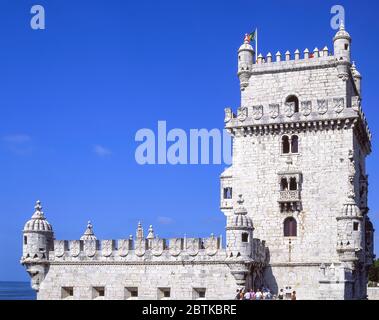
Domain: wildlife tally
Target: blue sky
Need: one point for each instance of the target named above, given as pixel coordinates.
(73, 96)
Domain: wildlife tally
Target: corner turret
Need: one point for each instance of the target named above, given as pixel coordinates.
(245, 62)
(38, 241)
(239, 233)
(342, 51)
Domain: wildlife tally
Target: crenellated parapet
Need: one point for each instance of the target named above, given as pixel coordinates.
(309, 115)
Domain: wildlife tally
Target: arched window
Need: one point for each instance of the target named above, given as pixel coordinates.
(293, 184)
(294, 144)
(290, 227)
(283, 184)
(294, 100)
(285, 145)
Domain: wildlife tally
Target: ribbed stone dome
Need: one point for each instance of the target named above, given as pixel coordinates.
(342, 33)
(240, 218)
(241, 221)
(246, 46)
(38, 221)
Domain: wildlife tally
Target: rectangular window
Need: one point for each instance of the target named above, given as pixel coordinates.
(131, 292)
(228, 193)
(199, 293)
(164, 293)
(245, 237)
(98, 292)
(25, 240)
(356, 226)
(67, 292)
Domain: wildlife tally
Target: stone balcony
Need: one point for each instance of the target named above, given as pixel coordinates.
(289, 196)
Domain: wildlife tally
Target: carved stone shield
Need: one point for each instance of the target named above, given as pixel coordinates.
(242, 114)
(193, 246)
(90, 248)
(59, 247)
(228, 115)
(211, 246)
(339, 104)
(75, 248)
(107, 247)
(123, 247)
(322, 106)
(257, 112)
(140, 247)
(306, 108)
(157, 247)
(176, 246)
(289, 109)
(274, 110)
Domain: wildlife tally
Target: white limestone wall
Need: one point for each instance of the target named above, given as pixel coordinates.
(322, 160)
(373, 293)
(273, 83)
(181, 278)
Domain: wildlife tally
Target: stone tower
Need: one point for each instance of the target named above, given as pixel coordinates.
(38, 239)
(300, 140)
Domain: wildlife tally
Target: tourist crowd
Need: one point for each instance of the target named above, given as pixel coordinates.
(263, 294)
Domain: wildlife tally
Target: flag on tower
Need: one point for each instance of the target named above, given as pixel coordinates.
(251, 36)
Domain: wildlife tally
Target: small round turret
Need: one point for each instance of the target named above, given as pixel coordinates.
(245, 62)
(342, 42)
(38, 236)
(239, 233)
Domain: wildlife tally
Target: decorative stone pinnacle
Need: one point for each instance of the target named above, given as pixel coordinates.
(38, 214)
(151, 233)
(342, 25)
(240, 201)
(88, 234)
(139, 232)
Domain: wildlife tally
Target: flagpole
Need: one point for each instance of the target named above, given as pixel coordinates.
(256, 44)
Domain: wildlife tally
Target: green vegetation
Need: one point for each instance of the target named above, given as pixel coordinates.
(373, 274)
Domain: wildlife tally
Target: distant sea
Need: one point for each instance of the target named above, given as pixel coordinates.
(15, 290)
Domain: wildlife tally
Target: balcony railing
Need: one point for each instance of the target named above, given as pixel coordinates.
(289, 196)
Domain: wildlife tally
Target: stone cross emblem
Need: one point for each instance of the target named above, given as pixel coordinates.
(257, 112)
(242, 114)
(339, 104)
(306, 107)
(274, 110)
(123, 247)
(75, 248)
(193, 246)
(157, 247)
(107, 248)
(175, 246)
(211, 245)
(322, 106)
(90, 247)
(59, 248)
(140, 247)
(289, 109)
(228, 115)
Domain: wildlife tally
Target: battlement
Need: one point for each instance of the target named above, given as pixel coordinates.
(136, 248)
(287, 61)
(174, 249)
